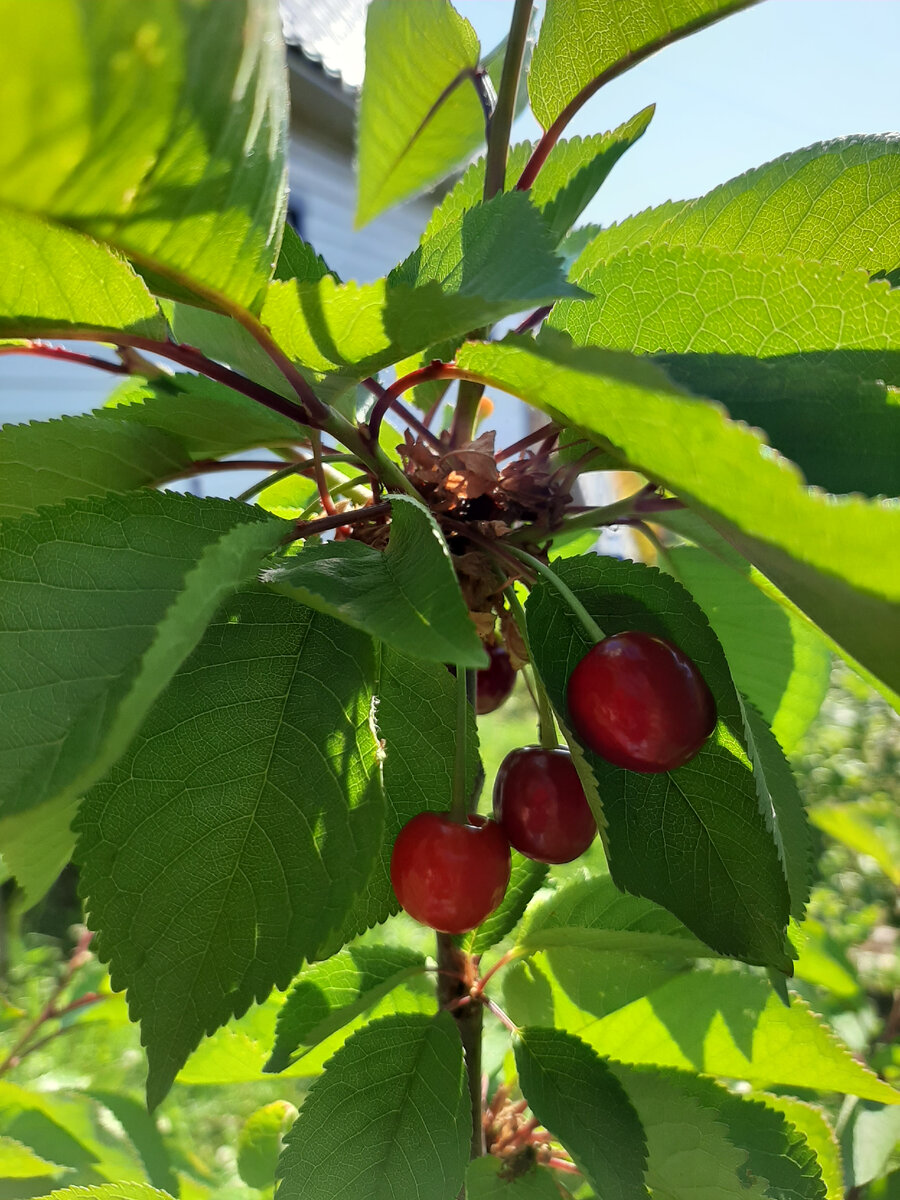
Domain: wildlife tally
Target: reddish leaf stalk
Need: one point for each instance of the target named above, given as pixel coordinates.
(552, 134)
(434, 370)
(45, 350)
(407, 414)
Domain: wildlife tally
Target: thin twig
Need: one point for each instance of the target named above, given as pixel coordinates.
(529, 439)
(306, 529)
(44, 350)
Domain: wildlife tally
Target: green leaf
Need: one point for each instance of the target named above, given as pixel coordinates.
(782, 807)
(227, 341)
(390, 1116)
(778, 1154)
(163, 134)
(47, 462)
(260, 1142)
(525, 879)
(570, 178)
(832, 201)
(495, 260)
(407, 595)
(485, 1181)
(599, 982)
(18, 1162)
(55, 281)
(870, 1141)
(64, 1128)
(735, 1026)
(838, 428)
(576, 168)
(577, 1097)
(669, 837)
(776, 659)
(690, 525)
(109, 1191)
(827, 556)
(101, 601)
(812, 1123)
(415, 717)
(298, 260)
(850, 824)
(595, 906)
(689, 1152)
(208, 419)
(579, 42)
(227, 845)
(703, 300)
(418, 114)
(143, 1134)
(328, 995)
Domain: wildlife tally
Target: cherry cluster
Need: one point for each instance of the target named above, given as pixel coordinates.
(636, 700)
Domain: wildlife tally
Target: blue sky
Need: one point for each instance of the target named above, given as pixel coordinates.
(779, 76)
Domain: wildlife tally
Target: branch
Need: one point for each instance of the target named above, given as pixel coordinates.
(505, 109)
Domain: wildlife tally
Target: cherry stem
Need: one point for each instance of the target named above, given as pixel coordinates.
(546, 725)
(459, 800)
(588, 623)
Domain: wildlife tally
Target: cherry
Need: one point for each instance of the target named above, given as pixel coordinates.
(450, 875)
(541, 805)
(495, 682)
(640, 702)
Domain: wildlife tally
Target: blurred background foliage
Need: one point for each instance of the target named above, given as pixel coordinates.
(74, 1098)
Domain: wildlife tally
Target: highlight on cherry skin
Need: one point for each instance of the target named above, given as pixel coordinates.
(541, 806)
(638, 701)
(447, 874)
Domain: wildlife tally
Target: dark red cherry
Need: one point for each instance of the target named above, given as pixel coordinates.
(450, 875)
(495, 682)
(541, 805)
(639, 702)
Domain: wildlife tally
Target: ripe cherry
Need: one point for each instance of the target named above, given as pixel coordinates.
(541, 805)
(450, 875)
(640, 702)
(495, 682)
